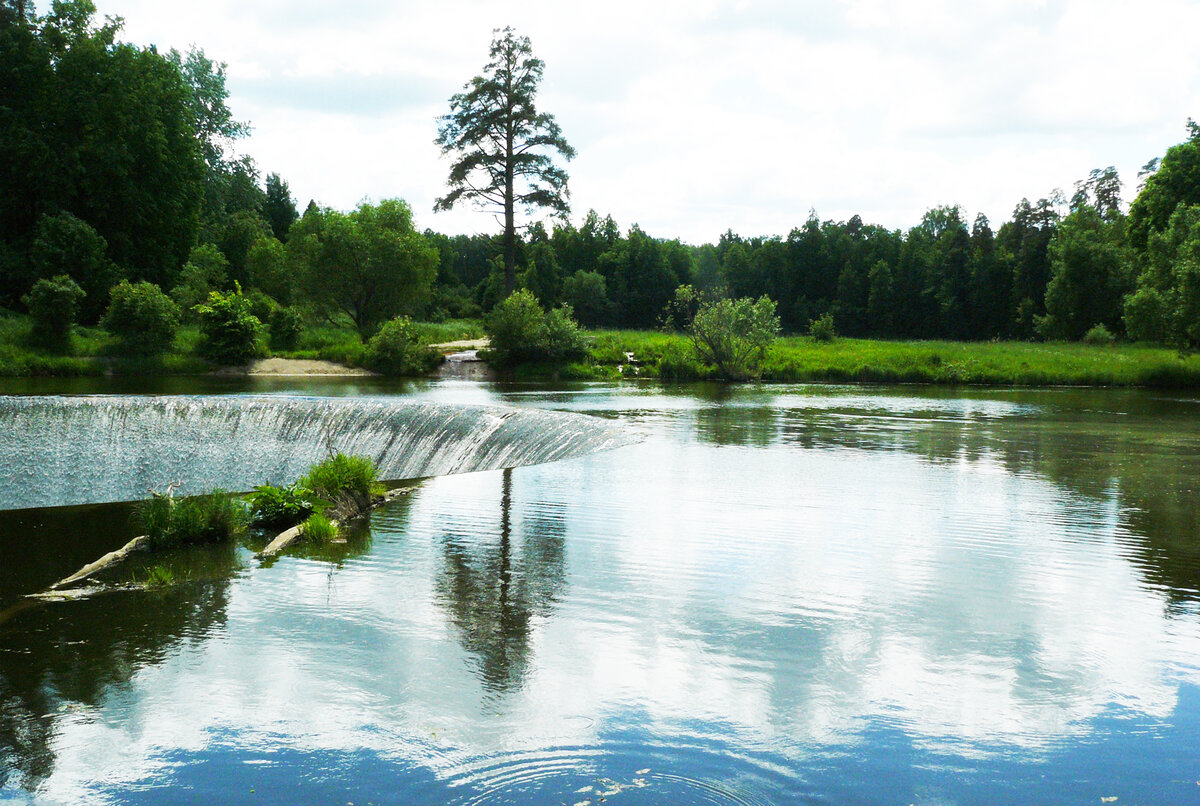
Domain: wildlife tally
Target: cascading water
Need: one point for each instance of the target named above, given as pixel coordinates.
(76, 450)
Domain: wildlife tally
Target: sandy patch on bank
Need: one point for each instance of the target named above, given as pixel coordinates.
(455, 346)
(292, 366)
(306, 366)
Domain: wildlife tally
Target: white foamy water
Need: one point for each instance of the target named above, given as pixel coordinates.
(76, 450)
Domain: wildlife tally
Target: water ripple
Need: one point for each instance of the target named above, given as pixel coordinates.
(685, 770)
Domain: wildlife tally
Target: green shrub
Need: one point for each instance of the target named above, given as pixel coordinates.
(172, 522)
(53, 305)
(516, 327)
(563, 338)
(733, 334)
(229, 332)
(142, 317)
(1099, 334)
(520, 330)
(822, 328)
(397, 350)
(318, 529)
(342, 478)
(281, 507)
(286, 325)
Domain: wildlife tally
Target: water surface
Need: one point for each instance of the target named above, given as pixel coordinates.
(783, 594)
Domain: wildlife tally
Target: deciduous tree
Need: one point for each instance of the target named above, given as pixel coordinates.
(369, 265)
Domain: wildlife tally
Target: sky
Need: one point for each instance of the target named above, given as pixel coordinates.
(692, 118)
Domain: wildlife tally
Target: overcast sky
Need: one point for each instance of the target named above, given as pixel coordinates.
(694, 117)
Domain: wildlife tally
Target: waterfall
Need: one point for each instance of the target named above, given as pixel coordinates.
(75, 450)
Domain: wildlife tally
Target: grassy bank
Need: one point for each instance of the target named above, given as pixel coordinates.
(93, 351)
(342, 345)
(669, 356)
(945, 362)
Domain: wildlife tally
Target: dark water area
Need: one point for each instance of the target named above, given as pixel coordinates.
(781, 594)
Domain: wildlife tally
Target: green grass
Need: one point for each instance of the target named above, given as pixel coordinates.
(171, 522)
(800, 358)
(1002, 363)
(340, 345)
(91, 351)
(342, 475)
(157, 578)
(318, 529)
(450, 330)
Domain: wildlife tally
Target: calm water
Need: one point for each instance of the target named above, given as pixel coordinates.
(785, 594)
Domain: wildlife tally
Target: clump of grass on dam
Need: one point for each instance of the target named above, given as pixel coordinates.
(341, 475)
(210, 518)
(342, 484)
(318, 529)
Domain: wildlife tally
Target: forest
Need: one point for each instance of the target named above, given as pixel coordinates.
(121, 185)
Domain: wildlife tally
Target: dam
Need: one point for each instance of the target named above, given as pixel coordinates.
(99, 449)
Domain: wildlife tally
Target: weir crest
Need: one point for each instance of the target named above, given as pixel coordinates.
(77, 450)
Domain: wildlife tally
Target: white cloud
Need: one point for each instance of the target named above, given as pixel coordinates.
(691, 118)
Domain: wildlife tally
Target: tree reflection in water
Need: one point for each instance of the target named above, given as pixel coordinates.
(494, 587)
(66, 657)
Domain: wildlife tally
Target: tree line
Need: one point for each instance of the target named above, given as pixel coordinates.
(1057, 269)
(119, 166)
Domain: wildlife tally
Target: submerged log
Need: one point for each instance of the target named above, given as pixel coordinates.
(139, 543)
(75, 594)
(281, 541)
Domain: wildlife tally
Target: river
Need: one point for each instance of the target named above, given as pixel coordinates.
(779, 594)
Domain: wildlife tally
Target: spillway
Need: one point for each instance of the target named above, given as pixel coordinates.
(77, 450)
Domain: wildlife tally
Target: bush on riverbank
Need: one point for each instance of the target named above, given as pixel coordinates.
(521, 331)
(142, 317)
(397, 350)
(229, 332)
(286, 324)
(53, 305)
(733, 335)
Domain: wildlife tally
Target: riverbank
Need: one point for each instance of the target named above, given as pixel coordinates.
(651, 354)
(616, 354)
(92, 352)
